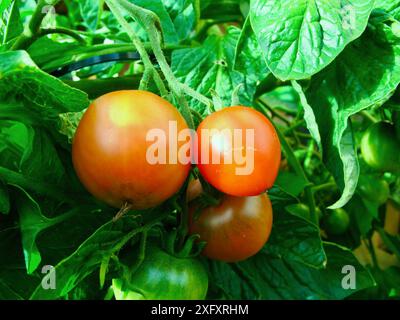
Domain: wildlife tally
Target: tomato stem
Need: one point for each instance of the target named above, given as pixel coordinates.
(32, 30)
(218, 104)
(142, 251)
(235, 100)
(150, 22)
(126, 207)
(274, 113)
(144, 83)
(67, 32)
(369, 116)
(325, 186)
(371, 250)
(136, 231)
(116, 7)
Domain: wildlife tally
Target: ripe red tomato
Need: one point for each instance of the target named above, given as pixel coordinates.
(234, 230)
(110, 147)
(261, 156)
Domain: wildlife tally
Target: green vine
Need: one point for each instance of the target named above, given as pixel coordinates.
(32, 30)
(150, 22)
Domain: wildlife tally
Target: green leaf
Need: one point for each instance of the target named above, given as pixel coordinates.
(88, 257)
(4, 199)
(283, 98)
(7, 293)
(248, 57)
(15, 284)
(69, 123)
(300, 38)
(309, 116)
(364, 213)
(4, 5)
(291, 183)
(390, 6)
(10, 24)
(224, 10)
(40, 159)
(268, 276)
(297, 240)
(91, 11)
(37, 186)
(183, 15)
(210, 67)
(32, 222)
(13, 142)
(41, 94)
(365, 75)
(392, 242)
(157, 6)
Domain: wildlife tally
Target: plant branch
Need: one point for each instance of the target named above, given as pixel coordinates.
(274, 113)
(323, 187)
(116, 10)
(33, 28)
(150, 22)
(68, 32)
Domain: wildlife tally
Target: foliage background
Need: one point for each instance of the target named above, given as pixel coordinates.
(296, 61)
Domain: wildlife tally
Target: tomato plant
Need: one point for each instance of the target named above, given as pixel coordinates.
(110, 149)
(235, 229)
(108, 184)
(256, 169)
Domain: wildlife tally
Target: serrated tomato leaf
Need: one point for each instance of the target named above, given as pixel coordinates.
(344, 89)
(88, 257)
(300, 38)
(268, 276)
(211, 67)
(37, 92)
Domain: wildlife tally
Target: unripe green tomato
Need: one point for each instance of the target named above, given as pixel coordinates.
(302, 210)
(337, 222)
(380, 148)
(162, 276)
(374, 189)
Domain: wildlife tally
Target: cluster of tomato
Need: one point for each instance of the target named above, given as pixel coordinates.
(110, 151)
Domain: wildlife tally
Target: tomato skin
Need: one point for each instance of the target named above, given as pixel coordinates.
(373, 189)
(109, 150)
(337, 222)
(162, 276)
(380, 148)
(234, 230)
(267, 152)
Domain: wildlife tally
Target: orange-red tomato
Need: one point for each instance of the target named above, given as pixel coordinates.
(109, 149)
(234, 230)
(261, 157)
